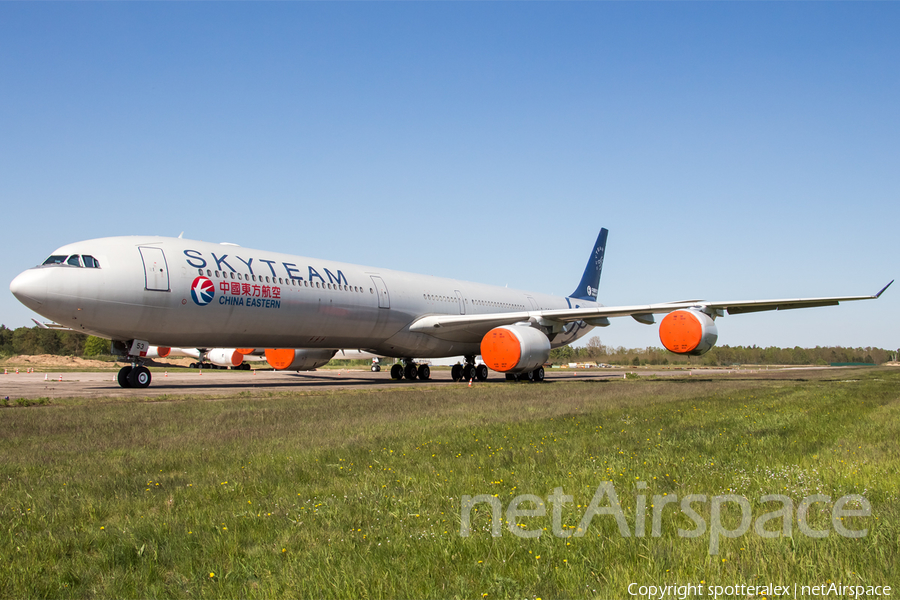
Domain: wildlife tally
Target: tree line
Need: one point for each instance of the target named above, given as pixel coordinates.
(36, 340)
(596, 351)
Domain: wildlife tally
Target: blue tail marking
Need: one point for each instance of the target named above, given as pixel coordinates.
(590, 281)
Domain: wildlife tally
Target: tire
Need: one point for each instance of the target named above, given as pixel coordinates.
(456, 372)
(538, 375)
(468, 372)
(375, 368)
(481, 372)
(397, 372)
(139, 377)
(424, 372)
(122, 377)
(410, 371)
(511, 377)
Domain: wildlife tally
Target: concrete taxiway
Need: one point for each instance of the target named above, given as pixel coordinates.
(47, 384)
(184, 382)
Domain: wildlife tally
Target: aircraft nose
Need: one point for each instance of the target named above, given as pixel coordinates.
(30, 288)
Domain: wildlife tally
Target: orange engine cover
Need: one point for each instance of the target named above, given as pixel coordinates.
(225, 357)
(514, 349)
(289, 359)
(688, 332)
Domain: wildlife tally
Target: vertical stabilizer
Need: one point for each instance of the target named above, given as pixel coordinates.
(590, 281)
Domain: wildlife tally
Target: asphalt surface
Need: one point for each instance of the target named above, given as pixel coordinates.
(49, 384)
(184, 382)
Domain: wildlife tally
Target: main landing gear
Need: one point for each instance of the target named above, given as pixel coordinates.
(537, 376)
(410, 370)
(469, 371)
(135, 375)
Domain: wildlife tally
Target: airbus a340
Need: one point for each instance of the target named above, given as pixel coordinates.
(173, 292)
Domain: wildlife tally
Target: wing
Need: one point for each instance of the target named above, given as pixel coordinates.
(449, 326)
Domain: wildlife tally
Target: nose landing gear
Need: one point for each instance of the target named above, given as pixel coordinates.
(134, 376)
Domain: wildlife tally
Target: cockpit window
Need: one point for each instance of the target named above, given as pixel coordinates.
(74, 261)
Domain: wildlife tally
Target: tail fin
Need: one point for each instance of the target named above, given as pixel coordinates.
(587, 287)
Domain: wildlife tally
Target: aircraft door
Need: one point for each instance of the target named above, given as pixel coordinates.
(384, 299)
(156, 272)
(462, 303)
(534, 305)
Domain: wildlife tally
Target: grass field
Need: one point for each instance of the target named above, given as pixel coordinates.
(358, 494)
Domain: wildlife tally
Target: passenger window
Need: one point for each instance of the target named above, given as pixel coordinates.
(281, 281)
(55, 260)
(232, 274)
(74, 261)
(201, 271)
(217, 273)
(208, 273)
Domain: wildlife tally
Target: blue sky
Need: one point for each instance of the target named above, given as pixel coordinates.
(734, 151)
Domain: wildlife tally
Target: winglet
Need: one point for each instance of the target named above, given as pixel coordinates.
(884, 288)
(590, 280)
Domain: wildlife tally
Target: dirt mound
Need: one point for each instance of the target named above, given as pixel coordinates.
(50, 361)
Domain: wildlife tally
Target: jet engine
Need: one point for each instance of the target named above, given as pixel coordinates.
(225, 357)
(290, 359)
(515, 349)
(688, 332)
(166, 352)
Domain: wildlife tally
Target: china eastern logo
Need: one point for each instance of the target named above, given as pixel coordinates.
(202, 291)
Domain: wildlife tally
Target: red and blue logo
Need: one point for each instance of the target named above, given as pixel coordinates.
(202, 291)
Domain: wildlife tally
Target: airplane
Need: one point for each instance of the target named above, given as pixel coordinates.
(174, 292)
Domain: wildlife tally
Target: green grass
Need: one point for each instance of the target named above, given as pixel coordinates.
(358, 494)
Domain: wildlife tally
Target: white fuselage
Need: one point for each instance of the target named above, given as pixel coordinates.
(184, 293)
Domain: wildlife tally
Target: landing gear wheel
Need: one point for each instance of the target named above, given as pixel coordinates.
(376, 368)
(511, 377)
(481, 372)
(424, 372)
(397, 371)
(410, 371)
(122, 377)
(139, 377)
(468, 372)
(538, 375)
(456, 372)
